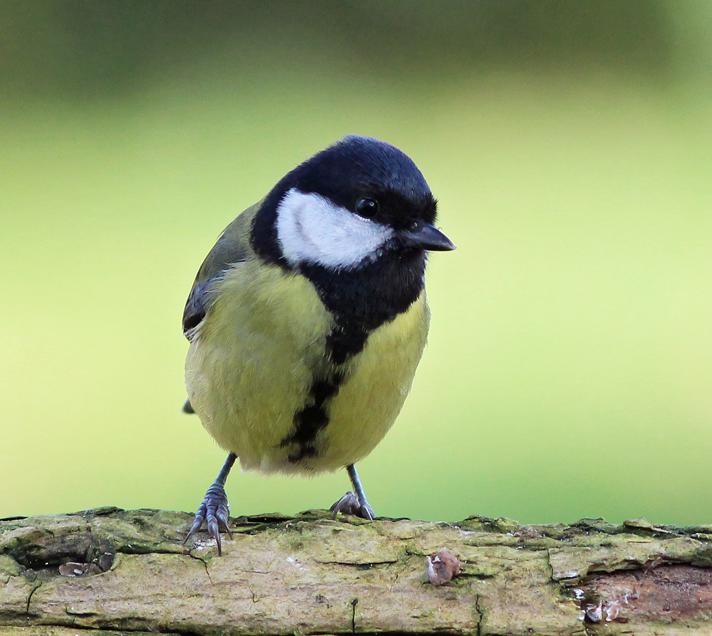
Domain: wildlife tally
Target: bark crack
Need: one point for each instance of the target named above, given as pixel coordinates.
(205, 565)
(480, 614)
(550, 565)
(360, 564)
(30, 595)
(354, 603)
(252, 593)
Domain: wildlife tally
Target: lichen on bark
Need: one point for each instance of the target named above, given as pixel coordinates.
(115, 572)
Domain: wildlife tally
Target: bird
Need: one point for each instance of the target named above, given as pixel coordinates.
(308, 318)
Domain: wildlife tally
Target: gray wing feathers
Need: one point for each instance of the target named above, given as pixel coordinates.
(232, 247)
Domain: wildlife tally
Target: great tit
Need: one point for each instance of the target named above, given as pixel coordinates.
(308, 317)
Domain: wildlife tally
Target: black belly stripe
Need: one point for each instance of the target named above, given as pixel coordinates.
(312, 418)
(360, 301)
(345, 341)
(342, 343)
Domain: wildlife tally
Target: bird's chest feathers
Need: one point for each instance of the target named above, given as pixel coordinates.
(288, 383)
(377, 382)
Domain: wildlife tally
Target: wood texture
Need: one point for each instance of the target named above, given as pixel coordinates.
(119, 572)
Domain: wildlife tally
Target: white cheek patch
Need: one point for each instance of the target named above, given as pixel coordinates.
(311, 229)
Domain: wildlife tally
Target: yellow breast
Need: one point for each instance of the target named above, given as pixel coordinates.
(251, 366)
(377, 382)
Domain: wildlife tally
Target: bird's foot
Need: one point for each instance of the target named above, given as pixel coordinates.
(349, 504)
(215, 511)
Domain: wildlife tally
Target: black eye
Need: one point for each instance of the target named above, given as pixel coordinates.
(366, 207)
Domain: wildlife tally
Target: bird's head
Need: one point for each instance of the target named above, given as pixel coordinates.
(352, 204)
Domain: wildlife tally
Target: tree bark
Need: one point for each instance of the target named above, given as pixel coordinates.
(127, 572)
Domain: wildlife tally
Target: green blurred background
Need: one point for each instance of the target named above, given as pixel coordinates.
(569, 367)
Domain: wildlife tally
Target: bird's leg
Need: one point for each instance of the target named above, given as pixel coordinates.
(214, 509)
(354, 502)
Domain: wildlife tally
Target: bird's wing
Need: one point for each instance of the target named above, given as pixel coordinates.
(233, 246)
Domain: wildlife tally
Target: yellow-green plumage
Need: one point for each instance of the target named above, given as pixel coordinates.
(308, 318)
(253, 359)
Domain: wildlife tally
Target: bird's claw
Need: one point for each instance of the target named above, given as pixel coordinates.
(215, 511)
(349, 504)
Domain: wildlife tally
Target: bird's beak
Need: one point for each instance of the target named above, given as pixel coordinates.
(427, 237)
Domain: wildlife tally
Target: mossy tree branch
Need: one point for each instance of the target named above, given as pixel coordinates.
(127, 572)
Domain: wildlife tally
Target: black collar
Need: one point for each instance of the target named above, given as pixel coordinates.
(361, 299)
